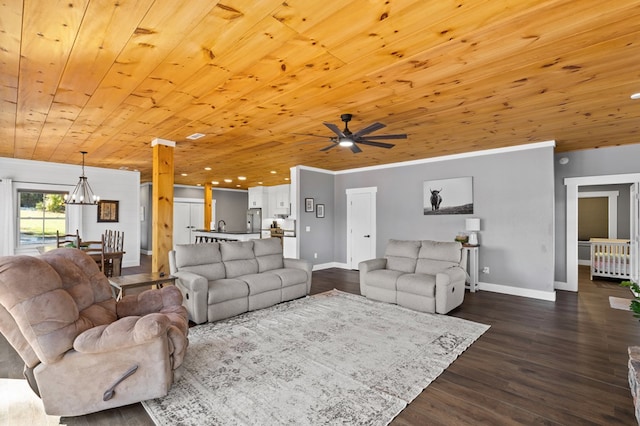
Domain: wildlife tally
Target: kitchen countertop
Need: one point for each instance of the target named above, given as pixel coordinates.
(227, 232)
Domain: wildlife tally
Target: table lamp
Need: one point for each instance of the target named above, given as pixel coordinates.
(473, 226)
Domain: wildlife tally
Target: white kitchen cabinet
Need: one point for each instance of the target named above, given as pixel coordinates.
(279, 199)
(290, 247)
(258, 198)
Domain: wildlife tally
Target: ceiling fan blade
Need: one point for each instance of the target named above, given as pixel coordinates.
(382, 137)
(335, 129)
(377, 144)
(369, 129)
(329, 147)
(310, 134)
(355, 148)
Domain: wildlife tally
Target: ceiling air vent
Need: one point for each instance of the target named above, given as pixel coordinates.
(195, 136)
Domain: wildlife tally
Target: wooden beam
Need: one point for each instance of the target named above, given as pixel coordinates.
(162, 200)
(208, 202)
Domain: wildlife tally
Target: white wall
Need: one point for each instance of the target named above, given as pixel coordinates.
(119, 185)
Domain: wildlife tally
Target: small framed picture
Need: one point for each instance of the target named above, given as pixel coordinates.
(320, 210)
(308, 205)
(107, 211)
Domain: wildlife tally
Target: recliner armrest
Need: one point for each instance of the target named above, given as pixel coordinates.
(450, 275)
(195, 290)
(372, 265)
(123, 333)
(302, 264)
(367, 266)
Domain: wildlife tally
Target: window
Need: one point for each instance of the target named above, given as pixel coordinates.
(41, 215)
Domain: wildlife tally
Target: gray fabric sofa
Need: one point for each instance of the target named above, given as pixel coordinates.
(220, 280)
(427, 276)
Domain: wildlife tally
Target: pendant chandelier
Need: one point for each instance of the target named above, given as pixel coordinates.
(82, 194)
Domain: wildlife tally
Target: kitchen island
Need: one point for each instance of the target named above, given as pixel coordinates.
(204, 235)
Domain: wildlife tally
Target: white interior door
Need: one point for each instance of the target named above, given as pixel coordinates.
(181, 223)
(635, 232)
(361, 225)
(187, 217)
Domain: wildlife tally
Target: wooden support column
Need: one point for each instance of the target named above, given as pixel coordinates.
(208, 202)
(162, 204)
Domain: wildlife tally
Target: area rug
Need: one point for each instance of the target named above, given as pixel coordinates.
(333, 358)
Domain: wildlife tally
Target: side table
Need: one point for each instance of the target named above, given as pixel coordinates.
(120, 284)
(472, 256)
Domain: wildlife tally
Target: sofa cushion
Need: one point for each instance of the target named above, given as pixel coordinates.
(383, 278)
(259, 283)
(436, 256)
(268, 253)
(401, 255)
(419, 284)
(441, 250)
(238, 258)
(226, 289)
(197, 254)
(290, 276)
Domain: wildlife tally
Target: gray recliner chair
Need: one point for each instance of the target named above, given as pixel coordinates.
(83, 352)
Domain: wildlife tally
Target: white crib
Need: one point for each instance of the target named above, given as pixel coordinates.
(610, 258)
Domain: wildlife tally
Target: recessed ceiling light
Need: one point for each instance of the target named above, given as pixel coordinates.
(259, 183)
(237, 186)
(286, 178)
(199, 184)
(183, 174)
(228, 180)
(635, 96)
(273, 172)
(215, 182)
(207, 168)
(195, 136)
(124, 168)
(242, 178)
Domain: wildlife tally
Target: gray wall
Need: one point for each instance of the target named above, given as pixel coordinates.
(513, 197)
(592, 162)
(320, 238)
(231, 206)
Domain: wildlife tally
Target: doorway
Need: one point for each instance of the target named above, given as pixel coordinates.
(361, 225)
(571, 240)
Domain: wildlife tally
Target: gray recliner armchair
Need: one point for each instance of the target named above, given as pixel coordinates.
(83, 351)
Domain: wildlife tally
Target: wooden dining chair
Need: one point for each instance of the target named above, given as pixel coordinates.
(68, 240)
(114, 243)
(95, 249)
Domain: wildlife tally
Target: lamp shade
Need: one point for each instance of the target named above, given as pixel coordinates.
(472, 224)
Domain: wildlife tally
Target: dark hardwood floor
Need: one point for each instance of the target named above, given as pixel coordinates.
(539, 363)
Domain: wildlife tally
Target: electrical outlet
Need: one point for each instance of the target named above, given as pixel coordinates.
(308, 229)
(315, 255)
(486, 270)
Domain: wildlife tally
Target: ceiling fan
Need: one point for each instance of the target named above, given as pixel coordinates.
(347, 139)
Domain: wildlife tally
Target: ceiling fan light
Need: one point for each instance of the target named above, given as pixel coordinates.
(346, 142)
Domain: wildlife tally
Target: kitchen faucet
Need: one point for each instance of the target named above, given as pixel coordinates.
(221, 227)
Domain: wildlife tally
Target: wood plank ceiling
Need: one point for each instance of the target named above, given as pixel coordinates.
(109, 76)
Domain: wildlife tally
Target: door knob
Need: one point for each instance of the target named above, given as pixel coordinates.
(367, 236)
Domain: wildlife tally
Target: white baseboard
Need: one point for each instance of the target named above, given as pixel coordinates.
(321, 266)
(561, 285)
(516, 291)
(146, 252)
(584, 262)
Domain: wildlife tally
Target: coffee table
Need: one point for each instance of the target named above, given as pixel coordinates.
(121, 284)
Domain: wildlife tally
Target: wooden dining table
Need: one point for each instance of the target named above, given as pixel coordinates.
(110, 254)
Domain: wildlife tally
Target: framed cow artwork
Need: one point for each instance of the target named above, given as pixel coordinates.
(448, 196)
